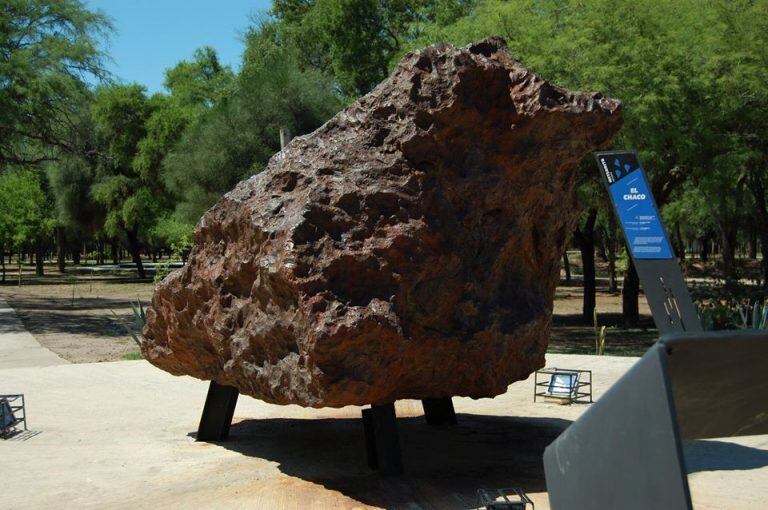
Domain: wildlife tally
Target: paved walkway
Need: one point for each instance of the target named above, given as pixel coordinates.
(18, 348)
(120, 435)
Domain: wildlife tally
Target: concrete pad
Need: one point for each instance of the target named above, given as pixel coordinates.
(120, 435)
(18, 348)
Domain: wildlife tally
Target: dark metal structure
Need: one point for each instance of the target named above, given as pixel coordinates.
(13, 413)
(439, 411)
(671, 306)
(579, 391)
(503, 499)
(218, 411)
(626, 452)
(382, 440)
(379, 425)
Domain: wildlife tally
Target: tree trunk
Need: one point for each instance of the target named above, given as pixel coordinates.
(61, 259)
(679, 243)
(757, 188)
(135, 248)
(2, 260)
(76, 254)
(753, 243)
(630, 295)
(728, 240)
(567, 267)
(115, 256)
(39, 258)
(585, 238)
(601, 242)
(705, 249)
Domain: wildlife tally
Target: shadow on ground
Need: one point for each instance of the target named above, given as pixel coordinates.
(81, 316)
(722, 456)
(444, 465)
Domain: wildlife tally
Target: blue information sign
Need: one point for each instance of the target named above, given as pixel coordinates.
(635, 206)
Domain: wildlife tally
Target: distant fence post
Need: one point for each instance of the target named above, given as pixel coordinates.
(285, 137)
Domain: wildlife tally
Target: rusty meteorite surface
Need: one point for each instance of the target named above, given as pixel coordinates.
(408, 248)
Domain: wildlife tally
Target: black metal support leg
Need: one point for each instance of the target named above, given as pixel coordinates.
(382, 440)
(439, 411)
(217, 413)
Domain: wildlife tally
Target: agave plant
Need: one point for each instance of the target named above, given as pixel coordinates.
(757, 319)
(139, 319)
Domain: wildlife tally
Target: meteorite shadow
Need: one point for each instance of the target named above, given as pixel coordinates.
(444, 465)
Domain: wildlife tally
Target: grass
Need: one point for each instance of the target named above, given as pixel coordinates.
(133, 355)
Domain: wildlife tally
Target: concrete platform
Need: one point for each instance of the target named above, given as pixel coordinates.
(120, 435)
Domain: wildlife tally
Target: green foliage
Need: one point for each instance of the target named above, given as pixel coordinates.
(175, 233)
(755, 316)
(48, 48)
(136, 325)
(131, 199)
(721, 314)
(203, 81)
(236, 138)
(358, 39)
(24, 210)
(162, 270)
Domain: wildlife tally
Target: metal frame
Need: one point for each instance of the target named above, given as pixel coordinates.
(439, 411)
(218, 411)
(7, 431)
(583, 388)
(626, 452)
(665, 290)
(382, 441)
(498, 499)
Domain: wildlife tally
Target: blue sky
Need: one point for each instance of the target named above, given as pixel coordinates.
(152, 35)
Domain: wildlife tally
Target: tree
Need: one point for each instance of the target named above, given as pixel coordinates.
(238, 135)
(359, 39)
(24, 213)
(70, 178)
(120, 113)
(648, 53)
(47, 50)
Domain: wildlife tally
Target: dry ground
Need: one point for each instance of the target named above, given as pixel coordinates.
(73, 315)
(121, 435)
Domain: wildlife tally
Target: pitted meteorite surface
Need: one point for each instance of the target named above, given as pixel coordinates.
(408, 248)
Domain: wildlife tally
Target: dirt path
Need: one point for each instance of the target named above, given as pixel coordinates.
(77, 321)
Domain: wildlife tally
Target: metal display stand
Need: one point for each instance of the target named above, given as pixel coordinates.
(13, 413)
(439, 411)
(657, 268)
(218, 411)
(382, 440)
(379, 424)
(503, 499)
(626, 452)
(578, 393)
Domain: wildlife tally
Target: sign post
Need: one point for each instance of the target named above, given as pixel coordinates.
(671, 306)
